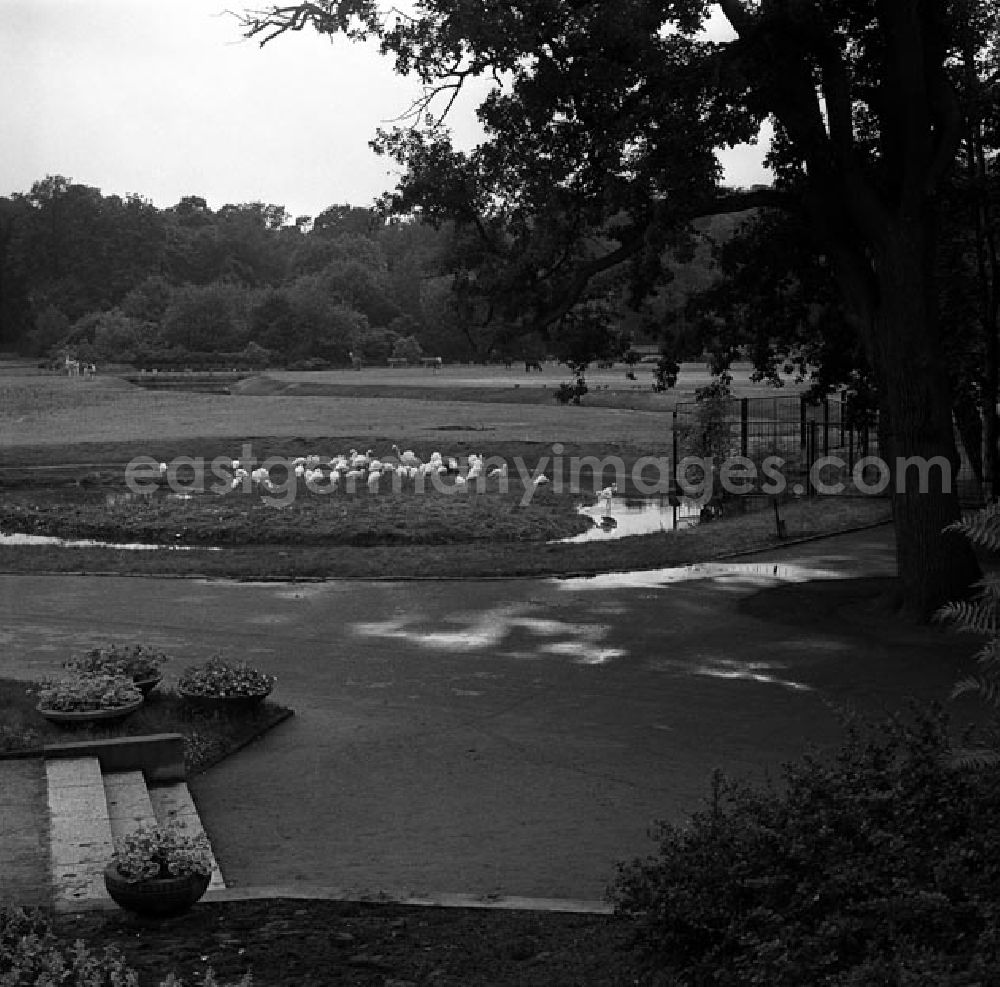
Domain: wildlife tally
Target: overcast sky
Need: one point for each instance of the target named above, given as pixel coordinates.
(164, 98)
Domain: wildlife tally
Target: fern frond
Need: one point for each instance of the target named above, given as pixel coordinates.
(988, 586)
(986, 687)
(982, 527)
(972, 616)
(989, 656)
(973, 758)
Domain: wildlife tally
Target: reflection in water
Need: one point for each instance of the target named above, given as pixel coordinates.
(128, 497)
(620, 517)
(748, 671)
(583, 644)
(17, 539)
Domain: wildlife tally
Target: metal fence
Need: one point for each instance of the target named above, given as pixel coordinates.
(798, 433)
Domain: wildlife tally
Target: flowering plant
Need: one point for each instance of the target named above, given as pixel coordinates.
(220, 678)
(162, 851)
(79, 693)
(135, 661)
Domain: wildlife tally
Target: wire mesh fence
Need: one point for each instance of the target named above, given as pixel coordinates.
(816, 448)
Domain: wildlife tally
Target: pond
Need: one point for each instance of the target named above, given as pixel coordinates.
(621, 517)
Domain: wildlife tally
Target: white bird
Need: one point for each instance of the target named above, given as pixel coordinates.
(539, 480)
(453, 464)
(298, 461)
(460, 482)
(236, 464)
(163, 468)
(500, 471)
(608, 492)
(299, 469)
(407, 458)
(373, 480)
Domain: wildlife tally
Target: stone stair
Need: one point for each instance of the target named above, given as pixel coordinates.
(89, 808)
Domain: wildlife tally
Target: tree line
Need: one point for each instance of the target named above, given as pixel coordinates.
(108, 278)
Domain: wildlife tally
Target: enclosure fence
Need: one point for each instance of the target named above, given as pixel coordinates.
(803, 435)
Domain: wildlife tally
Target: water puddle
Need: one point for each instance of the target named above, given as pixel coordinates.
(114, 499)
(622, 517)
(18, 539)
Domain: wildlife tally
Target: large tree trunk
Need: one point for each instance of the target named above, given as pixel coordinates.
(934, 566)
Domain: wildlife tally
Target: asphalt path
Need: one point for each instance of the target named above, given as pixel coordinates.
(493, 737)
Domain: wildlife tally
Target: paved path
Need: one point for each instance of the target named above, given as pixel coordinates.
(24, 832)
(493, 737)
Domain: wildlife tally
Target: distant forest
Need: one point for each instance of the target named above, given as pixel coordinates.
(112, 279)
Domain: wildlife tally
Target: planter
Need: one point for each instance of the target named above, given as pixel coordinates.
(68, 717)
(147, 683)
(223, 703)
(155, 896)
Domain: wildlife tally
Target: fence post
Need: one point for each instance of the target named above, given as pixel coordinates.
(744, 426)
(826, 426)
(813, 441)
(802, 428)
(673, 452)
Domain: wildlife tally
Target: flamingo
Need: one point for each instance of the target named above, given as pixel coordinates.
(407, 458)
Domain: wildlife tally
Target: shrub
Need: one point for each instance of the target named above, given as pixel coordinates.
(567, 393)
(162, 851)
(77, 693)
(879, 865)
(32, 956)
(220, 678)
(135, 661)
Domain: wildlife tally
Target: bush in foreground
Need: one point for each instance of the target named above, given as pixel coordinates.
(31, 956)
(880, 865)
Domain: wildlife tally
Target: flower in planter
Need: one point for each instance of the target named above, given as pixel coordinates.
(162, 851)
(220, 678)
(135, 661)
(78, 693)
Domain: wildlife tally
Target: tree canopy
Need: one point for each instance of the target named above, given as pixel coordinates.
(602, 133)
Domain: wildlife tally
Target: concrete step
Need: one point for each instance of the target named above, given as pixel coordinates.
(80, 830)
(89, 810)
(173, 803)
(129, 805)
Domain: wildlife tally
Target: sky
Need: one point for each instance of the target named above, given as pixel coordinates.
(165, 98)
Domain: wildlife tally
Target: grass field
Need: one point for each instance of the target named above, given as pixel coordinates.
(65, 443)
(412, 406)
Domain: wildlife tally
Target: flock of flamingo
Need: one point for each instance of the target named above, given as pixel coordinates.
(353, 469)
